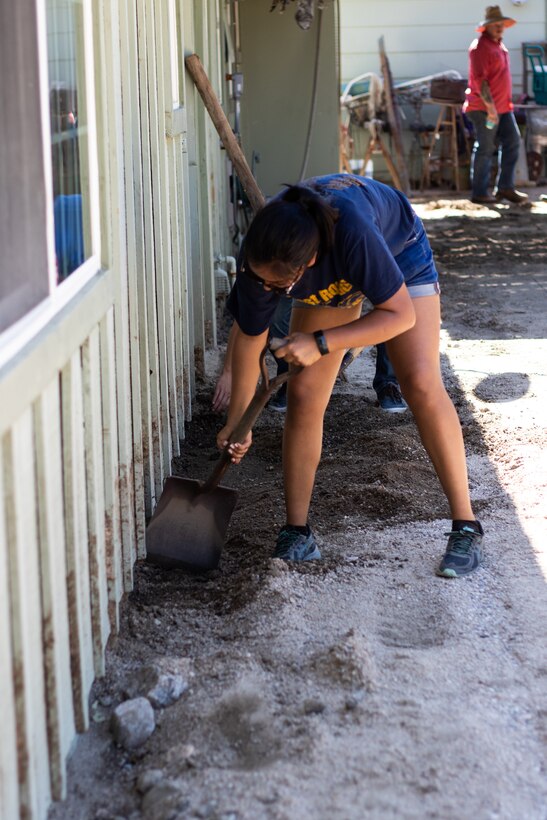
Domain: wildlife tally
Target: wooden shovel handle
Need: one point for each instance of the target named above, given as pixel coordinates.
(224, 129)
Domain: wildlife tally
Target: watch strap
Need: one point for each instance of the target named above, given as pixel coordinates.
(321, 342)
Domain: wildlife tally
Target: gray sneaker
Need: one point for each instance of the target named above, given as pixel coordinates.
(294, 546)
(390, 399)
(463, 552)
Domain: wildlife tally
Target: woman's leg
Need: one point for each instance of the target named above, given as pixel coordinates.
(415, 358)
(308, 397)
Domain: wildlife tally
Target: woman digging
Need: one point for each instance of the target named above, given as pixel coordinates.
(328, 243)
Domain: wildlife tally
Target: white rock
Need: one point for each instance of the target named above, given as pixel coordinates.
(132, 723)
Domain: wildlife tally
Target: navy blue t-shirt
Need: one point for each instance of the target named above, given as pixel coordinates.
(374, 224)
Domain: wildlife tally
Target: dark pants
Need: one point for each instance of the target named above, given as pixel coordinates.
(384, 370)
(279, 328)
(506, 139)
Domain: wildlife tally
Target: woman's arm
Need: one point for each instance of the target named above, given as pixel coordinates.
(245, 357)
(223, 388)
(385, 321)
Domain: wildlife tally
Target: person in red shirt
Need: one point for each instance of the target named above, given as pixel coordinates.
(489, 106)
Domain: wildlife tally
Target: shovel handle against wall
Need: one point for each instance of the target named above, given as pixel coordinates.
(225, 132)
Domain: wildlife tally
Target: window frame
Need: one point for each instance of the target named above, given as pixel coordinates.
(17, 335)
(93, 261)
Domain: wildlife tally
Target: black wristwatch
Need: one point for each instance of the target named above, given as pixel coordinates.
(321, 342)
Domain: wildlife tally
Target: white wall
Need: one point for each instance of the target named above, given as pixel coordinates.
(427, 36)
(277, 62)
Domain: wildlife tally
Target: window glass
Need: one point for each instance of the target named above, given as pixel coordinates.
(69, 134)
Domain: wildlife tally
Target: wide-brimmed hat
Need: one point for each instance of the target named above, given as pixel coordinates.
(493, 14)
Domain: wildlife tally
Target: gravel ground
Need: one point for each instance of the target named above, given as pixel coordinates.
(362, 686)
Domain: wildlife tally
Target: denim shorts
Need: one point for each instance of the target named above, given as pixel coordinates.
(417, 265)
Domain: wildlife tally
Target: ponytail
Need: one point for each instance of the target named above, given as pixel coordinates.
(291, 229)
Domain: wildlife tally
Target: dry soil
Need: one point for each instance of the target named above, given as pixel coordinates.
(362, 686)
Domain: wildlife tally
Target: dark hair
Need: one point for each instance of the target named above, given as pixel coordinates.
(291, 229)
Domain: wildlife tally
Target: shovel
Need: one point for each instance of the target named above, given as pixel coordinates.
(189, 525)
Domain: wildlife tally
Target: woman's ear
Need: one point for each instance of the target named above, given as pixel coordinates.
(312, 261)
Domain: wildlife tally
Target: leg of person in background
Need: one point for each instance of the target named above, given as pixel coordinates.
(508, 136)
(278, 330)
(481, 158)
(385, 383)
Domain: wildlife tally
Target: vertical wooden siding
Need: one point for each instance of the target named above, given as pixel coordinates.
(95, 410)
(60, 561)
(9, 787)
(25, 617)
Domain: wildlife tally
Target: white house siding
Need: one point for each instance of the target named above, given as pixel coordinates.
(423, 37)
(94, 400)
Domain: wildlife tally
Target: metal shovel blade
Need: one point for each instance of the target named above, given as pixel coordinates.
(189, 526)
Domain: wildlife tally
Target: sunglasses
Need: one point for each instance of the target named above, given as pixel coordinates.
(282, 290)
